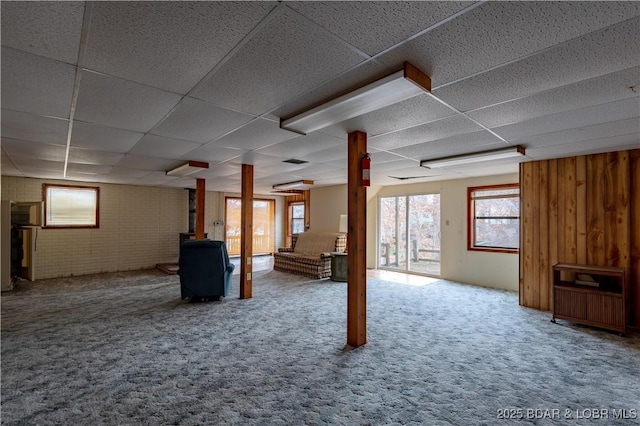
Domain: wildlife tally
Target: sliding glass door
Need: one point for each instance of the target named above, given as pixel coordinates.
(409, 237)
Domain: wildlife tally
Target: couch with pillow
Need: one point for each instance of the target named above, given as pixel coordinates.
(310, 254)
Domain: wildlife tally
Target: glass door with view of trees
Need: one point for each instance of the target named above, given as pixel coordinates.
(263, 225)
(410, 233)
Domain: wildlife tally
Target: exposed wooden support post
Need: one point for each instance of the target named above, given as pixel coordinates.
(356, 257)
(200, 194)
(246, 234)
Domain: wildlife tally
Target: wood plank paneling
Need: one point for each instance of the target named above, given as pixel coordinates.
(582, 210)
(595, 210)
(634, 280)
(544, 269)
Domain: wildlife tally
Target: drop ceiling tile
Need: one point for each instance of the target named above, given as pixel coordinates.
(102, 138)
(319, 171)
(154, 178)
(410, 113)
(130, 161)
(7, 167)
(593, 55)
(118, 103)
(303, 145)
(35, 84)
(278, 167)
(36, 128)
(212, 154)
(36, 150)
(89, 156)
(338, 152)
(46, 28)
(170, 45)
(375, 26)
(593, 146)
(27, 164)
(348, 81)
(256, 159)
(216, 171)
(87, 169)
(488, 169)
(135, 173)
(161, 147)
(225, 185)
(598, 131)
(459, 144)
(287, 57)
(496, 33)
(440, 129)
(199, 121)
(597, 114)
(257, 134)
(181, 183)
(595, 91)
(40, 173)
(379, 157)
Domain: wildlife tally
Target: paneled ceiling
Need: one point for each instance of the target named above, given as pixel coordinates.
(149, 85)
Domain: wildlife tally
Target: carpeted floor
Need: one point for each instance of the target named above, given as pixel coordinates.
(124, 349)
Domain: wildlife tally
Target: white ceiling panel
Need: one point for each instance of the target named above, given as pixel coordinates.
(489, 169)
(159, 146)
(36, 150)
(352, 79)
(102, 138)
(145, 163)
(254, 158)
(154, 178)
(199, 121)
(303, 145)
(590, 56)
(212, 154)
(380, 25)
(440, 129)
(496, 33)
(379, 157)
(26, 164)
(118, 103)
(586, 133)
(217, 170)
(7, 167)
(595, 91)
(170, 45)
(290, 53)
(30, 127)
(40, 173)
(460, 144)
(257, 134)
(410, 113)
(609, 112)
(35, 84)
(593, 146)
(46, 28)
(89, 156)
(128, 172)
(87, 169)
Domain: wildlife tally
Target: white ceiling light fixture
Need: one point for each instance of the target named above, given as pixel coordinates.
(298, 184)
(188, 168)
(396, 87)
(476, 157)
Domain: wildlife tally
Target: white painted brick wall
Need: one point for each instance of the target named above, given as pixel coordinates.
(139, 227)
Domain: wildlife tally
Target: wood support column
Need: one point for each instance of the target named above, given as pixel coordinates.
(200, 194)
(246, 234)
(356, 256)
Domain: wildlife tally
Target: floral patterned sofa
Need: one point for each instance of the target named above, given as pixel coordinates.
(310, 254)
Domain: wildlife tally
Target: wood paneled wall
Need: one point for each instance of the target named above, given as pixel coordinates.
(583, 210)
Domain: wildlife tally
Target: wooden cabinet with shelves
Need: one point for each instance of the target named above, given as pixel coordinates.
(590, 295)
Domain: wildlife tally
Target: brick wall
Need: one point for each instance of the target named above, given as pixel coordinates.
(139, 227)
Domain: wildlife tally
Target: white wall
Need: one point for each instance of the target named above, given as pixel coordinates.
(327, 203)
(498, 270)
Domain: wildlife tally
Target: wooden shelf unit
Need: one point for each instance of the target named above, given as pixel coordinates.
(602, 306)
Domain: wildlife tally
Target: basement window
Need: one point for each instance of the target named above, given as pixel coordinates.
(71, 206)
(494, 218)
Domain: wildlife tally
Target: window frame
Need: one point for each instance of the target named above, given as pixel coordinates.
(45, 200)
(291, 204)
(471, 218)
